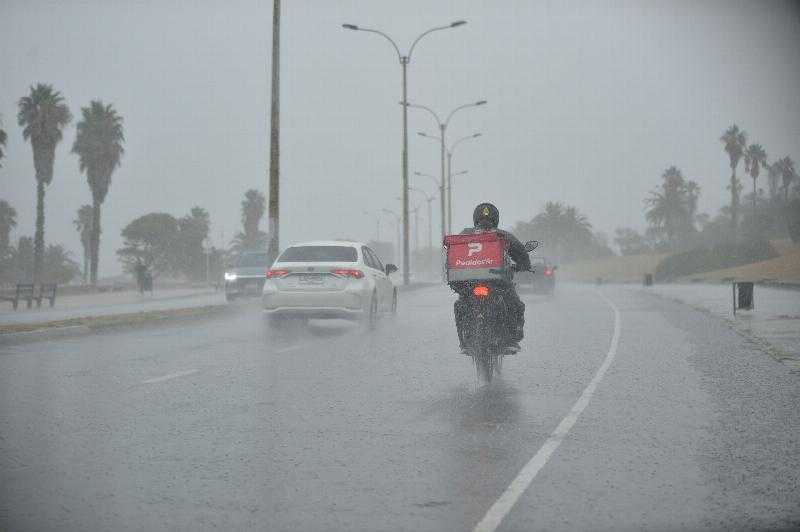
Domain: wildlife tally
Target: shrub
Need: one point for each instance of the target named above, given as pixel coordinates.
(714, 258)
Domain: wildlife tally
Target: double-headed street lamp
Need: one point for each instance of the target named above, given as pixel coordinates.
(429, 199)
(440, 186)
(449, 167)
(404, 61)
(442, 136)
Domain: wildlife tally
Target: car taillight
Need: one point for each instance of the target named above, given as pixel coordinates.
(481, 290)
(271, 274)
(548, 272)
(355, 274)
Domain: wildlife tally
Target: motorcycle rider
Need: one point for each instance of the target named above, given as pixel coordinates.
(486, 217)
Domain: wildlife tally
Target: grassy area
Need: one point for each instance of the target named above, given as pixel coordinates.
(631, 268)
(785, 268)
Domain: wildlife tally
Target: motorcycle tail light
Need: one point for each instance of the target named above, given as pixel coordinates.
(355, 274)
(548, 272)
(272, 274)
(481, 290)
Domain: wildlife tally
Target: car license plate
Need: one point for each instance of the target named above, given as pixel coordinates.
(311, 279)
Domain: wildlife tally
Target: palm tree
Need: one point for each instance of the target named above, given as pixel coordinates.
(8, 221)
(774, 176)
(692, 195)
(788, 174)
(83, 224)
(253, 207)
(735, 141)
(98, 145)
(669, 207)
(754, 159)
(3, 139)
(43, 115)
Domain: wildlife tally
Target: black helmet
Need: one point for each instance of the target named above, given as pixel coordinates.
(486, 216)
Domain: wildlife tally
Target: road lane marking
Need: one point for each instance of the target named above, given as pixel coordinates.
(294, 348)
(170, 376)
(511, 495)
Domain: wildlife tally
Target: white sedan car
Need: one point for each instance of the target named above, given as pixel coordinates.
(331, 279)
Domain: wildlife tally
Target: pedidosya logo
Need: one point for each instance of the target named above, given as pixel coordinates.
(474, 262)
(474, 247)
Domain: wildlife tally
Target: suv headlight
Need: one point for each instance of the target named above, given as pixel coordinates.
(230, 276)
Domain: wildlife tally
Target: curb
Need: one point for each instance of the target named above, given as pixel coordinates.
(97, 324)
(49, 333)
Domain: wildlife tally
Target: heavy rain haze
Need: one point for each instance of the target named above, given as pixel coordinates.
(606, 335)
(587, 104)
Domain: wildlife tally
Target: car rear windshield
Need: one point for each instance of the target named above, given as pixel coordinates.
(253, 259)
(319, 254)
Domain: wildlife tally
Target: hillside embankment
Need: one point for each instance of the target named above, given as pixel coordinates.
(631, 268)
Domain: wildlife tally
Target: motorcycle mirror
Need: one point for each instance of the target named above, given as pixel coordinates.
(530, 245)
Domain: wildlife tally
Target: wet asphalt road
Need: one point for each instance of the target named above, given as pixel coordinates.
(219, 424)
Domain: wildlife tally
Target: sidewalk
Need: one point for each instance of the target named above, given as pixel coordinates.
(109, 304)
(775, 319)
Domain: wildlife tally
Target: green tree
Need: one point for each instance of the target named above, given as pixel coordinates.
(253, 208)
(3, 140)
(98, 145)
(774, 177)
(8, 221)
(788, 174)
(58, 265)
(83, 224)
(43, 116)
(755, 158)
(23, 259)
(630, 242)
(565, 231)
(193, 229)
(150, 240)
(668, 208)
(734, 140)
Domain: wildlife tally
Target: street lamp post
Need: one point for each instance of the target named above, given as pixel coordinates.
(441, 138)
(429, 250)
(377, 225)
(450, 177)
(404, 61)
(440, 186)
(397, 226)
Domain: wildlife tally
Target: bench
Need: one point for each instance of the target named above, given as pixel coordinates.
(47, 291)
(24, 292)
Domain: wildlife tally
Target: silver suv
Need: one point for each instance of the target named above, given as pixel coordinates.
(247, 276)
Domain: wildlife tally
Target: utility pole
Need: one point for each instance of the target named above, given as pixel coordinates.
(274, 210)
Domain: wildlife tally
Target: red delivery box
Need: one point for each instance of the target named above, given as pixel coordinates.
(475, 256)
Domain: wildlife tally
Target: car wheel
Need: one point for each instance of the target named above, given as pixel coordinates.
(371, 317)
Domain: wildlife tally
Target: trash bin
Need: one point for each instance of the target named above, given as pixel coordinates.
(648, 279)
(743, 296)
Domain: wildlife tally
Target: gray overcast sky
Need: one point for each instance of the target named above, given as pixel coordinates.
(588, 103)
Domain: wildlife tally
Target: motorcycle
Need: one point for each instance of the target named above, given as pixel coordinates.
(480, 270)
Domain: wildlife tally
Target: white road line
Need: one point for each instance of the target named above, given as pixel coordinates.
(294, 348)
(170, 376)
(509, 498)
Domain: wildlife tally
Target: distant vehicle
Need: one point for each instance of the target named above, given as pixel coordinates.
(331, 279)
(247, 276)
(543, 277)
